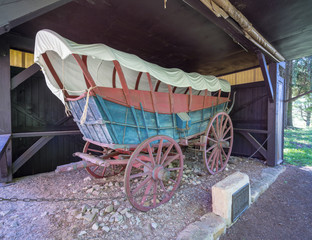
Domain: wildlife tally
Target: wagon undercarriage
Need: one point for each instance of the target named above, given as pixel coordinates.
(154, 168)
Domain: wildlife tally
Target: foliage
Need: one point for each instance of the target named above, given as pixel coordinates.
(302, 82)
(304, 105)
(298, 146)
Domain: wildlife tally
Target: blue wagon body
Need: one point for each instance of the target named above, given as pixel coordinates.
(112, 123)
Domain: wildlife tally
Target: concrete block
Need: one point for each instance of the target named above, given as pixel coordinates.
(275, 171)
(222, 194)
(209, 227)
(257, 189)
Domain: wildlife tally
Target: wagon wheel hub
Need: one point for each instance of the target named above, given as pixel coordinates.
(222, 143)
(160, 173)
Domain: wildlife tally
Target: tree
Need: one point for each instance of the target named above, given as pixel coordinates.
(305, 107)
(300, 85)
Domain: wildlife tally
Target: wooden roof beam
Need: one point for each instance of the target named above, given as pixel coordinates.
(223, 8)
(18, 12)
(266, 75)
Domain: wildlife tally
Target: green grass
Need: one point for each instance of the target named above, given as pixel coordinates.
(298, 146)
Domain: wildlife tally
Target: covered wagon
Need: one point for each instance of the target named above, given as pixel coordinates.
(135, 115)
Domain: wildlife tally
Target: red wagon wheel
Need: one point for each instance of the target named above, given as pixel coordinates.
(98, 171)
(154, 172)
(219, 142)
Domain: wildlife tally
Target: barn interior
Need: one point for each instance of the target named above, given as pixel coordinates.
(209, 37)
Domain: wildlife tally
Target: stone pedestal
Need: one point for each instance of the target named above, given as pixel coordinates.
(223, 191)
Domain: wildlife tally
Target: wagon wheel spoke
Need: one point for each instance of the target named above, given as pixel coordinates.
(224, 125)
(103, 171)
(225, 139)
(159, 151)
(221, 160)
(171, 159)
(170, 179)
(223, 154)
(147, 190)
(154, 193)
(214, 131)
(213, 152)
(142, 174)
(214, 160)
(141, 184)
(173, 169)
(220, 125)
(226, 132)
(211, 157)
(150, 153)
(166, 154)
(163, 188)
(155, 182)
(217, 160)
(144, 163)
(212, 147)
(211, 139)
(217, 127)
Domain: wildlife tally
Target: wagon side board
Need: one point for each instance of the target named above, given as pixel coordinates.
(109, 122)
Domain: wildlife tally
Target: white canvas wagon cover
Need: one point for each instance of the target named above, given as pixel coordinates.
(100, 66)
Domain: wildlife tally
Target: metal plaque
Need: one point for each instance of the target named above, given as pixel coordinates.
(240, 201)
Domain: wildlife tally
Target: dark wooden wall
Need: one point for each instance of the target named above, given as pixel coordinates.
(258, 118)
(36, 109)
(249, 112)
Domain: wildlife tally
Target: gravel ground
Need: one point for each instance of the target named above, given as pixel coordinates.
(109, 215)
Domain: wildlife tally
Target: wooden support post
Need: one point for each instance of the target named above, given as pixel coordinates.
(271, 161)
(5, 112)
(5, 158)
(275, 117)
(266, 76)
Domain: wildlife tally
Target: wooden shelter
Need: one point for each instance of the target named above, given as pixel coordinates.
(210, 37)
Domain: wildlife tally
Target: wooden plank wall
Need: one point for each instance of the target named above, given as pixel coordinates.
(247, 76)
(249, 112)
(35, 108)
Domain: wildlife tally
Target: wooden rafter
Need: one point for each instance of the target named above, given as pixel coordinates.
(30, 152)
(25, 74)
(266, 75)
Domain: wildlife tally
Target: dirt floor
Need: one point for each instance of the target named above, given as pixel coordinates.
(109, 216)
(283, 212)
